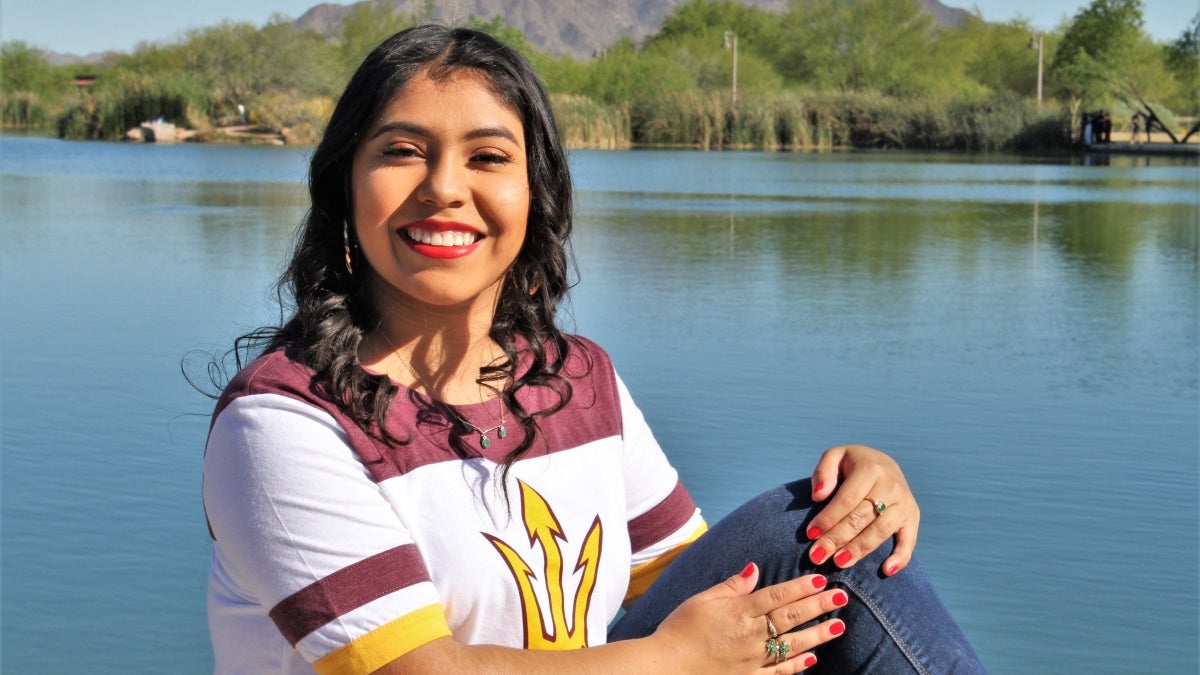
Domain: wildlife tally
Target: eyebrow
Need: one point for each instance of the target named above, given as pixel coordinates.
(409, 127)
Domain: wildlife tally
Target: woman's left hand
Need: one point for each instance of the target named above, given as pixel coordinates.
(870, 502)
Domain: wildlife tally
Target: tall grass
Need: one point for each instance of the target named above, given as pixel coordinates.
(584, 123)
(23, 110)
(125, 101)
(821, 122)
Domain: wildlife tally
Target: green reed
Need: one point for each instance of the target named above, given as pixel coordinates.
(127, 100)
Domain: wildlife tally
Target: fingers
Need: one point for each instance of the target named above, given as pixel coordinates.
(825, 476)
(771, 599)
(850, 526)
(787, 617)
(740, 584)
(786, 648)
(858, 533)
(791, 652)
(906, 541)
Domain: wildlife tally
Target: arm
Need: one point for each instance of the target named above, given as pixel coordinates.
(849, 527)
(719, 631)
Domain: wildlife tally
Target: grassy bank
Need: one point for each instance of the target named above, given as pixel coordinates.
(694, 119)
(796, 122)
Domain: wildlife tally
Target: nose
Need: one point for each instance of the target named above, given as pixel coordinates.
(444, 185)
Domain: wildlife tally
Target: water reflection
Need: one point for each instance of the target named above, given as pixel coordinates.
(1022, 334)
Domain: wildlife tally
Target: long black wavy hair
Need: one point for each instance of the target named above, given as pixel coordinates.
(332, 310)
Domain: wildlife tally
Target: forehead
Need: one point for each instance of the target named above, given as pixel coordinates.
(460, 96)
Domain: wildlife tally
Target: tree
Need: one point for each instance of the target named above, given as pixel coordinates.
(1183, 59)
(625, 73)
(997, 55)
(364, 27)
(25, 69)
(1105, 55)
(240, 62)
(869, 45)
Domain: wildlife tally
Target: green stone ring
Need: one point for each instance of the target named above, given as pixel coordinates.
(879, 506)
(778, 649)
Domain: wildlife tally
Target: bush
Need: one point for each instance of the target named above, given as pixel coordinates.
(23, 110)
(300, 120)
(585, 123)
(126, 101)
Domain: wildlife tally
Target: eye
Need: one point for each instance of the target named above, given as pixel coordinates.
(490, 157)
(399, 151)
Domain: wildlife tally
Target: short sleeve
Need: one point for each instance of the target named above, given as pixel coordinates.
(305, 540)
(663, 518)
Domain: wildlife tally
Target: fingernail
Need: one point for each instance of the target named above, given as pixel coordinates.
(891, 569)
(810, 661)
(813, 532)
(817, 555)
(748, 571)
(840, 599)
(842, 558)
(818, 486)
(819, 581)
(837, 628)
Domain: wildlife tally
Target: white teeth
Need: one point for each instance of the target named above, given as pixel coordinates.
(440, 238)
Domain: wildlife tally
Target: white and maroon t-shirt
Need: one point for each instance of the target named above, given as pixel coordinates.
(338, 552)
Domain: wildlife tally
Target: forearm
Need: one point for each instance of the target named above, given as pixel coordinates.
(646, 655)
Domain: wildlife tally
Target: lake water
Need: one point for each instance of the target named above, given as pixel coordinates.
(1021, 334)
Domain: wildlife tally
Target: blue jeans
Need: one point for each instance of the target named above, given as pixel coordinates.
(893, 625)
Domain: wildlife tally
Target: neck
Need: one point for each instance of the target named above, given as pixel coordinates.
(437, 350)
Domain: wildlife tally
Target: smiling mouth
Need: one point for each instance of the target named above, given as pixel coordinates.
(449, 238)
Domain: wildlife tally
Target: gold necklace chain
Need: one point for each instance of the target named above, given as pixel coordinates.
(484, 440)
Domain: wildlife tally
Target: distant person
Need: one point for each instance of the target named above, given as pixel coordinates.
(241, 113)
(1106, 125)
(1136, 121)
(422, 473)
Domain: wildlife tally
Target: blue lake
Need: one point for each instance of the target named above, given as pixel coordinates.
(1021, 334)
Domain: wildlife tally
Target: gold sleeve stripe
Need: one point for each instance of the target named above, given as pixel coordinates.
(386, 643)
(642, 576)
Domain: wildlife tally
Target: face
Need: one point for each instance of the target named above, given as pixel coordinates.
(441, 193)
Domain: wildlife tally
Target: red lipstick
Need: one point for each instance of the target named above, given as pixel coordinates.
(441, 239)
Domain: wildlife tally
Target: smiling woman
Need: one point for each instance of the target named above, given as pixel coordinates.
(441, 176)
(373, 509)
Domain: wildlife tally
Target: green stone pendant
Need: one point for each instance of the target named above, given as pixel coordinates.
(503, 432)
(484, 441)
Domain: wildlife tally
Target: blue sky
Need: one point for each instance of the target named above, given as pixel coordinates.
(71, 26)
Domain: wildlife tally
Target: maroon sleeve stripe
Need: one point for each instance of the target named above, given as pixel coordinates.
(666, 517)
(347, 589)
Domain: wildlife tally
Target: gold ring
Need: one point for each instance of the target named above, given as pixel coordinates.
(879, 506)
(771, 627)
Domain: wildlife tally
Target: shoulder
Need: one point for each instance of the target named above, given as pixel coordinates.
(583, 351)
(272, 373)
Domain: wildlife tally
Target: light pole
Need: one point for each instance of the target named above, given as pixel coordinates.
(1038, 42)
(730, 42)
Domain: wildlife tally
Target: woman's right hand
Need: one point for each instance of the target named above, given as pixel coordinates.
(725, 629)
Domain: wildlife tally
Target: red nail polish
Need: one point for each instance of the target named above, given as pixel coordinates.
(810, 661)
(817, 555)
(748, 571)
(837, 628)
(818, 486)
(819, 581)
(813, 532)
(840, 599)
(892, 569)
(842, 558)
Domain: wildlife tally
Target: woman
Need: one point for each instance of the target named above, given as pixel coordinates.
(422, 473)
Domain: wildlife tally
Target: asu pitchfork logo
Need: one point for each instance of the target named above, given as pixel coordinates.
(546, 533)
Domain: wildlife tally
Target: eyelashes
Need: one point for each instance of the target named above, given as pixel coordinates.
(480, 157)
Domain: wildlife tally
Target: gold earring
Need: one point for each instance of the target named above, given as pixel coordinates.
(346, 244)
